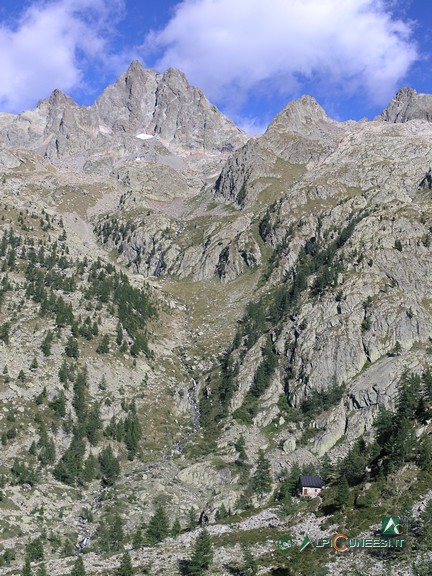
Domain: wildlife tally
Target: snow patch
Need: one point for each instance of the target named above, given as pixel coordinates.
(144, 136)
(104, 129)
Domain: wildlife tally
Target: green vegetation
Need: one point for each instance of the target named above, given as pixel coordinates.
(158, 527)
(321, 400)
(125, 568)
(78, 567)
(202, 555)
(261, 481)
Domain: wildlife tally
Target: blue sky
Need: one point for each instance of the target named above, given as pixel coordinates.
(250, 57)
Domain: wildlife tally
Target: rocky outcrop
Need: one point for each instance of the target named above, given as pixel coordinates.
(408, 105)
(158, 245)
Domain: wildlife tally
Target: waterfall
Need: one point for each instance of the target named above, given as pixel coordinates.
(196, 415)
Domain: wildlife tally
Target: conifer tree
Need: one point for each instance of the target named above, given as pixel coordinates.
(71, 347)
(26, 571)
(34, 550)
(110, 466)
(425, 455)
(158, 527)
(250, 565)
(354, 464)
(240, 446)
(103, 347)
(192, 519)
(78, 568)
(89, 468)
(132, 434)
(125, 568)
(68, 549)
(343, 493)
(94, 425)
(58, 404)
(111, 533)
(41, 571)
(202, 555)
(138, 538)
(262, 480)
(119, 334)
(176, 528)
(4, 332)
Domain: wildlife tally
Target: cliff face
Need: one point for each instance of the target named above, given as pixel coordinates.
(408, 105)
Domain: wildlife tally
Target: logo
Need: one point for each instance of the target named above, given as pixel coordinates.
(306, 542)
(285, 543)
(391, 530)
(390, 525)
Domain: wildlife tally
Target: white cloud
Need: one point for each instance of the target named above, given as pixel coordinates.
(50, 46)
(232, 47)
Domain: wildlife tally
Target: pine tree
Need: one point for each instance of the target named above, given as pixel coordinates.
(240, 446)
(119, 334)
(68, 549)
(138, 538)
(425, 455)
(103, 347)
(89, 469)
(192, 519)
(125, 568)
(222, 512)
(34, 550)
(408, 397)
(158, 527)
(71, 347)
(94, 425)
(353, 466)
(202, 555)
(110, 466)
(343, 493)
(78, 568)
(58, 404)
(426, 517)
(384, 426)
(176, 528)
(262, 481)
(328, 470)
(404, 443)
(4, 332)
(111, 533)
(41, 571)
(26, 571)
(132, 434)
(250, 565)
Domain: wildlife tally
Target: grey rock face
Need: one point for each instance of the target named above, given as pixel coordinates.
(408, 105)
(301, 135)
(140, 103)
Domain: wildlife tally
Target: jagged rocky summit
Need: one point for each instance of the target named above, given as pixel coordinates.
(140, 105)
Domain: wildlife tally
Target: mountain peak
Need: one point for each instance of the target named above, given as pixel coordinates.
(57, 99)
(408, 105)
(299, 116)
(135, 66)
(175, 73)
